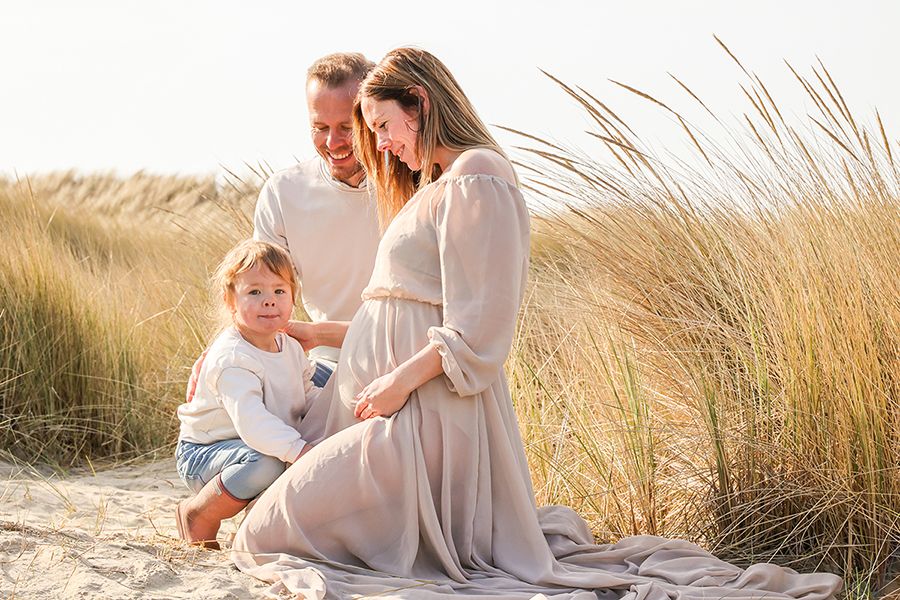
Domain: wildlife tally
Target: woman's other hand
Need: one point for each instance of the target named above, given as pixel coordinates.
(303, 332)
(381, 398)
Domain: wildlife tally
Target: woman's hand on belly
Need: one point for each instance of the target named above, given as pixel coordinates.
(381, 398)
(387, 394)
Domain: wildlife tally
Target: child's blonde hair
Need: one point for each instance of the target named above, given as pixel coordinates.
(243, 257)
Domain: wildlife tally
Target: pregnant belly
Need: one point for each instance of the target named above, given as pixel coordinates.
(384, 333)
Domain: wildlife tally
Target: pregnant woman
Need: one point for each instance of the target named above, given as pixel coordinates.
(421, 488)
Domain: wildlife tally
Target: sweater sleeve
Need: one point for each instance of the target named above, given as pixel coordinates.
(268, 218)
(483, 242)
(241, 393)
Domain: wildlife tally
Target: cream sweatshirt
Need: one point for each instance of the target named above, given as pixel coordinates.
(248, 393)
(331, 232)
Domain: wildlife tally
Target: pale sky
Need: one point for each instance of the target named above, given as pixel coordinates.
(187, 86)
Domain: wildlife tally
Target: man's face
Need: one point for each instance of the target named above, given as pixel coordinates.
(331, 125)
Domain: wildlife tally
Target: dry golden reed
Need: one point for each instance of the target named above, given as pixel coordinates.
(103, 307)
(713, 352)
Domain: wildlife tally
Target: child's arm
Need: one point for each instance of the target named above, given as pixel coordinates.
(240, 392)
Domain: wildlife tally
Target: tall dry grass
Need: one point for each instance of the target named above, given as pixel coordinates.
(103, 308)
(713, 352)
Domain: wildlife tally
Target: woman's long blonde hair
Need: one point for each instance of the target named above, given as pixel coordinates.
(450, 122)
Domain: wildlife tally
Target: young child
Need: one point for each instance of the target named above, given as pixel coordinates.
(247, 394)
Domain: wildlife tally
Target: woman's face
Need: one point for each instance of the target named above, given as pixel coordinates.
(394, 129)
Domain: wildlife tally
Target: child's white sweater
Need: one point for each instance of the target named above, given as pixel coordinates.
(248, 393)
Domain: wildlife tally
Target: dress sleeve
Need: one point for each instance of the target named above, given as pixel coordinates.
(482, 229)
(241, 393)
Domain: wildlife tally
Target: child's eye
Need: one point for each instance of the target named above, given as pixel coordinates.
(254, 292)
(280, 291)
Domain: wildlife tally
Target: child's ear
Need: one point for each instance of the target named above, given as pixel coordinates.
(228, 299)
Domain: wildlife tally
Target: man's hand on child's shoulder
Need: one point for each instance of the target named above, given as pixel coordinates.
(303, 332)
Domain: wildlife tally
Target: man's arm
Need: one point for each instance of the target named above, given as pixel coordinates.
(323, 333)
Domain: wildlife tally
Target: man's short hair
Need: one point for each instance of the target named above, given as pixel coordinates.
(336, 69)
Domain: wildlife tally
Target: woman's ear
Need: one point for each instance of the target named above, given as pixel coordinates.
(424, 101)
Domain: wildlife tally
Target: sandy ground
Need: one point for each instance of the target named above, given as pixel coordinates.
(107, 535)
(112, 535)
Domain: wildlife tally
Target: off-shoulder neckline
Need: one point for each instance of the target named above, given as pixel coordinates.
(463, 176)
(417, 197)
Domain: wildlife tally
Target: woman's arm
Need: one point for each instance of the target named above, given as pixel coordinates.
(323, 333)
(388, 393)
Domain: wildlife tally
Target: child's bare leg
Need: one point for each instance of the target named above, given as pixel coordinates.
(200, 517)
(250, 506)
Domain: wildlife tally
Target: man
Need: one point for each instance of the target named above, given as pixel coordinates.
(321, 212)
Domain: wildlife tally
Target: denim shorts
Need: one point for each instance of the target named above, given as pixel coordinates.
(245, 472)
(322, 374)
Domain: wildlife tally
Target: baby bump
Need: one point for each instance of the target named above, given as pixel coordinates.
(384, 333)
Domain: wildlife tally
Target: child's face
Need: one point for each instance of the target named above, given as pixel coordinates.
(260, 305)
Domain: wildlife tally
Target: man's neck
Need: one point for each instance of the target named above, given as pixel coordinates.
(356, 180)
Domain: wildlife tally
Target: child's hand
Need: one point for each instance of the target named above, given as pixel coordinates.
(303, 332)
(381, 398)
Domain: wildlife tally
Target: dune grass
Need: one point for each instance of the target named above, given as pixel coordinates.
(103, 306)
(714, 352)
(709, 352)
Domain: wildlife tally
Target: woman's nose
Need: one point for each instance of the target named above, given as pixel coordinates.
(382, 143)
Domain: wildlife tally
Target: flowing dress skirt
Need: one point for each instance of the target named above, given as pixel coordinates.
(436, 502)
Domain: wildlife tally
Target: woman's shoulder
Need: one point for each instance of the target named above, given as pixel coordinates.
(477, 175)
(482, 161)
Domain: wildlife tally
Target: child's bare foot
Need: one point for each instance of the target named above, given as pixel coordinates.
(200, 517)
(188, 529)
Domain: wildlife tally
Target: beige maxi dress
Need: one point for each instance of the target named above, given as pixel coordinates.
(436, 501)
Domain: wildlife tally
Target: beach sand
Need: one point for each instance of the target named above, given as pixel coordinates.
(109, 534)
